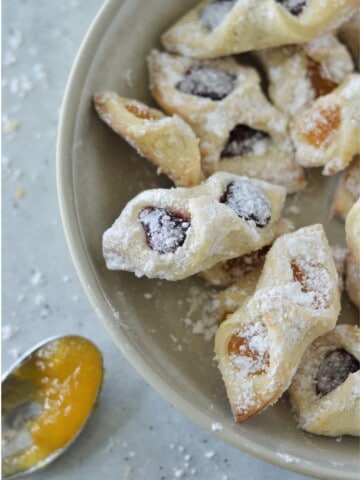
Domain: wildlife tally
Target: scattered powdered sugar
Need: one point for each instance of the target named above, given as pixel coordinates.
(37, 278)
(217, 427)
(128, 77)
(214, 13)
(209, 454)
(201, 316)
(293, 210)
(15, 40)
(8, 331)
(288, 458)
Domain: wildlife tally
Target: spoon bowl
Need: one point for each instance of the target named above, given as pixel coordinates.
(47, 397)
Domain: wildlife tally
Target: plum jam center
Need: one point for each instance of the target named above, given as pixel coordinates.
(334, 370)
(165, 231)
(214, 13)
(244, 140)
(248, 202)
(295, 7)
(208, 82)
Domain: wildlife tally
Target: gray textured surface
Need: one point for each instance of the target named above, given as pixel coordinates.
(134, 434)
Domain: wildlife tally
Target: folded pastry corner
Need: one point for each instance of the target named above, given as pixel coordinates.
(217, 28)
(175, 233)
(298, 74)
(239, 129)
(327, 133)
(296, 299)
(168, 142)
(325, 393)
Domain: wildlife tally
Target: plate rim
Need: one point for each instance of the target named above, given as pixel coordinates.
(87, 277)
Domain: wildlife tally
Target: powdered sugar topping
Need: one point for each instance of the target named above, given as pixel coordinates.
(209, 82)
(165, 232)
(248, 349)
(214, 13)
(248, 202)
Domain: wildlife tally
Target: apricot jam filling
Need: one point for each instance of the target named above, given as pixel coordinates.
(143, 113)
(319, 126)
(247, 351)
(313, 278)
(320, 84)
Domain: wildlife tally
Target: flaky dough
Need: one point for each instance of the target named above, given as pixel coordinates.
(212, 230)
(168, 142)
(296, 299)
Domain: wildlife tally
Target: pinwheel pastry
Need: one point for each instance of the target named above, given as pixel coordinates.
(327, 134)
(174, 233)
(347, 190)
(168, 142)
(296, 299)
(325, 393)
(352, 228)
(350, 33)
(298, 74)
(223, 27)
(239, 130)
(225, 273)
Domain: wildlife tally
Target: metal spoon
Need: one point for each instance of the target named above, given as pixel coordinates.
(24, 401)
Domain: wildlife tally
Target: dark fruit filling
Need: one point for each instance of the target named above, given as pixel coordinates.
(248, 202)
(242, 141)
(334, 370)
(213, 14)
(208, 82)
(295, 7)
(165, 231)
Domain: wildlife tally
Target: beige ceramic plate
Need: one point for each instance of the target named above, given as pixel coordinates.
(97, 174)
